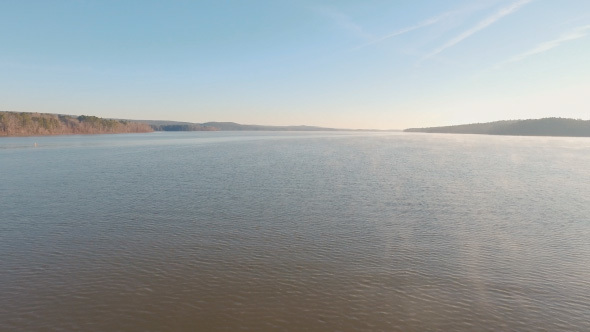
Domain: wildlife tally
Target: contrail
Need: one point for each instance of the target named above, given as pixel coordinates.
(480, 26)
(422, 24)
(577, 33)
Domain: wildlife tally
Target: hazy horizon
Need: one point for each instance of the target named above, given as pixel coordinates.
(348, 65)
(151, 121)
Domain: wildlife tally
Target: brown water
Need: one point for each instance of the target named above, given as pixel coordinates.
(294, 231)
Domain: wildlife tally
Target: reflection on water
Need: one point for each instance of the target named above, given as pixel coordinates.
(294, 231)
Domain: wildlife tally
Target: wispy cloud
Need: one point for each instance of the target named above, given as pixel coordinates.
(515, 6)
(423, 24)
(405, 30)
(344, 22)
(577, 33)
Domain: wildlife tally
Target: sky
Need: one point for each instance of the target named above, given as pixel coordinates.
(365, 64)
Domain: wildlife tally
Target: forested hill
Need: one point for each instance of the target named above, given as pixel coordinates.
(532, 127)
(237, 126)
(32, 124)
(225, 126)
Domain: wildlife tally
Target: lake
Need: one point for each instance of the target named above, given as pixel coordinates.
(320, 231)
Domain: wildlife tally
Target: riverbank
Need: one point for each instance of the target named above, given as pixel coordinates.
(43, 124)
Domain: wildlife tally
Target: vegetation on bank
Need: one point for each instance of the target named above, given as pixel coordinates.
(37, 124)
(531, 127)
(225, 126)
(182, 127)
(33, 124)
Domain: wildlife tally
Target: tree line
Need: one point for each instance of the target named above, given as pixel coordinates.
(182, 127)
(531, 127)
(32, 124)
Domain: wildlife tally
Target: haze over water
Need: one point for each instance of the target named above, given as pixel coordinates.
(294, 231)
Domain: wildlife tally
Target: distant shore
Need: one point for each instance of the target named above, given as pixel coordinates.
(531, 127)
(42, 124)
(13, 124)
(45, 124)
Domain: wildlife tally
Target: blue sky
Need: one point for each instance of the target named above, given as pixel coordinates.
(344, 64)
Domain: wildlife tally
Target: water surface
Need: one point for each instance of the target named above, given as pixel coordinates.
(294, 231)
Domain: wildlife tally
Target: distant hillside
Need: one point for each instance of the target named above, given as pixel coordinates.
(532, 127)
(225, 126)
(32, 124)
(161, 125)
(237, 126)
